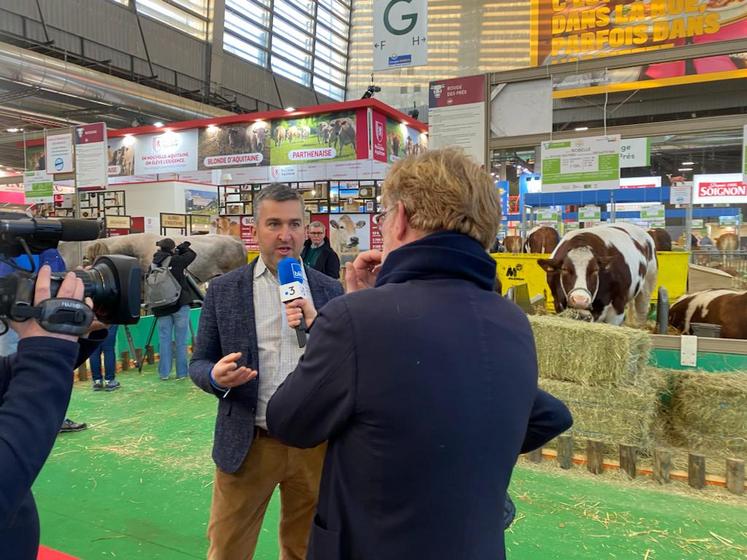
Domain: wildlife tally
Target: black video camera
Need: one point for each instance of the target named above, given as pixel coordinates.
(113, 282)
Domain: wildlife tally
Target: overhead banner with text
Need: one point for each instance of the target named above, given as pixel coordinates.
(581, 164)
(456, 115)
(239, 145)
(571, 30)
(744, 154)
(400, 34)
(167, 152)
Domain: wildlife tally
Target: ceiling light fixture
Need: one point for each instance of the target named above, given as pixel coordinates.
(290, 109)
(688, 163)
(158, 124)
(582, 129)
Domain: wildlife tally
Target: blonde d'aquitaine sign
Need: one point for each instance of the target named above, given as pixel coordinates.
(571, 30)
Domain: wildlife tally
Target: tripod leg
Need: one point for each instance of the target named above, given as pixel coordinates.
(147, 342)
(131, 344)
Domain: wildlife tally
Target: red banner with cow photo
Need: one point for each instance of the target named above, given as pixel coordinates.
(403, 141)
(244, 145)
(325, 137)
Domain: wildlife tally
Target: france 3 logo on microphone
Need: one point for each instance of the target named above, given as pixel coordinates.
(292, 286)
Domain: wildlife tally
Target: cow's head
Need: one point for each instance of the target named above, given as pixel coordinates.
(577, 276)
(346, 232)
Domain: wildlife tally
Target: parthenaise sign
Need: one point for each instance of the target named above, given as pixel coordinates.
(570, 30)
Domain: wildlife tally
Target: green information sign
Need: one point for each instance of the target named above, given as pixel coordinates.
(653, 212)
(581, 164)
(589, 214)
(38, 186)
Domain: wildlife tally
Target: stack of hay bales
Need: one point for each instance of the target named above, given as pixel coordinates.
(601, 372)
(709, 413)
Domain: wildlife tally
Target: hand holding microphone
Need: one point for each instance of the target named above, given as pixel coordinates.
(298, 311)
(293, 289)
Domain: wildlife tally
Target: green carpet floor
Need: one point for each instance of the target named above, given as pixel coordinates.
(137, 485)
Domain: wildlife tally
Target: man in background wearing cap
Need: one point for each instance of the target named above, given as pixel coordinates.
(173, 320)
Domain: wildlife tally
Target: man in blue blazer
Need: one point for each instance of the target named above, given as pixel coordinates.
(423, 381)
(244, 351)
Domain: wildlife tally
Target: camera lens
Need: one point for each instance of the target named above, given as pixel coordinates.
(113, 283)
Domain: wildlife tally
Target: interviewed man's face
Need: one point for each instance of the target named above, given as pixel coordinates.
(279, 231)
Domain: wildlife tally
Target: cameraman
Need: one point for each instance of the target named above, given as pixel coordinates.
(173, 320)
(35, 387)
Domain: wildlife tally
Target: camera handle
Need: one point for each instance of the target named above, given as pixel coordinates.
(57, 315)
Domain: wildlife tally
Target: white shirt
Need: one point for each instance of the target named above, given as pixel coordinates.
(278, 347)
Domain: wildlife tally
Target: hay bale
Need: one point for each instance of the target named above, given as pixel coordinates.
(591, 353)
(578, 314)
(613, 415)
(709, 413)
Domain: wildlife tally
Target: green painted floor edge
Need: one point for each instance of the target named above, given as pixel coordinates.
(137, 484)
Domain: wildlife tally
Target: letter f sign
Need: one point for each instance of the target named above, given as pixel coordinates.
(412, 18)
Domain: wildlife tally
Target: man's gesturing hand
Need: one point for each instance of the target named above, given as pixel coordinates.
(362, 273)
(227, 372)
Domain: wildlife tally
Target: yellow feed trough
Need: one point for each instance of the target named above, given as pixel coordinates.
(522, 268)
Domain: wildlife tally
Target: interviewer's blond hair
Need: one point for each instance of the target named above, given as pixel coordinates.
(444, 190)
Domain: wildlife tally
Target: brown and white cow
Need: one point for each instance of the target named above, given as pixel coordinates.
(727, 308)
(662, 239)
(542, 239)
(513, 244)
(602, 270)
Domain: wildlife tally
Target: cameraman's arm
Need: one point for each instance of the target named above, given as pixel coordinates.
(35, 397)
(32, 410)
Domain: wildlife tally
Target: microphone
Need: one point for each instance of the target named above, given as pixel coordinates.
(20, 233)
(292, 287)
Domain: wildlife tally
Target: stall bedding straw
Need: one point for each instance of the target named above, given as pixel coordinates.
(708, 413)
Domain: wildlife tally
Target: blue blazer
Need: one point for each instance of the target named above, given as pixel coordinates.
(425, 388)
(227, 325)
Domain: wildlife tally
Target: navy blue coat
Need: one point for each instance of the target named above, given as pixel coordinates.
(227, 325)
(35, 387)
(424, 387)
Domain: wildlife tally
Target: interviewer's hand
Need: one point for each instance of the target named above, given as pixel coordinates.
(227, 372)
(72, 287)
(299, 309)
(362, 272)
